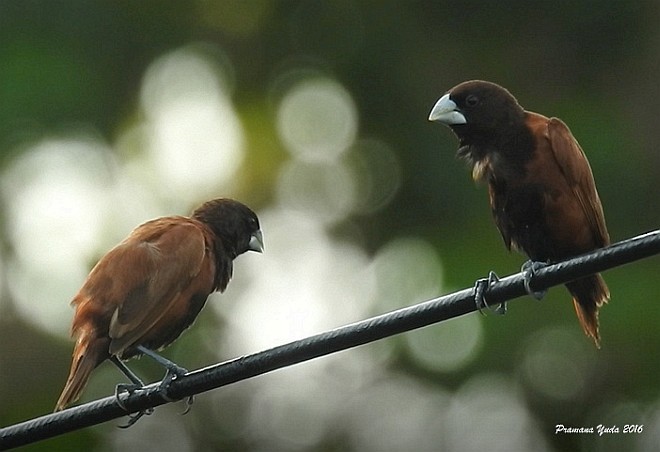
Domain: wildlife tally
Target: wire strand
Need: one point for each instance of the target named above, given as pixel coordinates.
(342, 338)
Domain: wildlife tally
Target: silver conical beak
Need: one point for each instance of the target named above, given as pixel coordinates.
(256, 242)
(445, 111)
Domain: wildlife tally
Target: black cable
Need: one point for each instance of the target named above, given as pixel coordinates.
(359, 333)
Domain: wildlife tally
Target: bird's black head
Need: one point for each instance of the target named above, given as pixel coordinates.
(480, 113)
(234, 223)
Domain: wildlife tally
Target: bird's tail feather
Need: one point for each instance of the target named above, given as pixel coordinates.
(87, 354)
(589, 294)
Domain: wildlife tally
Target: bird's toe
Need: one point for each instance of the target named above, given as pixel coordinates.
(480, 288)
(529, 270)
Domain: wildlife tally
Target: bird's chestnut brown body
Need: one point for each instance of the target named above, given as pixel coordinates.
(148, 289)
(541, 189)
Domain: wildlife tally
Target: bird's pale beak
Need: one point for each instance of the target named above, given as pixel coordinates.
(445, 111)
(256, 242)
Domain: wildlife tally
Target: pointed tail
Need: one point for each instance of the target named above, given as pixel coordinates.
(589, 294)
(87, 354)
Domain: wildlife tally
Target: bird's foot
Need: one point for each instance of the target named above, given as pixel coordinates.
(174, 372)
(189, 403)
(130, 388)
(529, 270)
(480, 288)
(133, 418)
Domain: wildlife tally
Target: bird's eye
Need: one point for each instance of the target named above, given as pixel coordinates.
(471, 100)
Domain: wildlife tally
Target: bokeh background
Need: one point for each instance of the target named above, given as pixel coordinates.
(315, 114)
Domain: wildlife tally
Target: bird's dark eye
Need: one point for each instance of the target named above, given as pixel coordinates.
(471, 100)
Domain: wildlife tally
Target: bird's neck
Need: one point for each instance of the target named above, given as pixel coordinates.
(224, 264)
(485, 153)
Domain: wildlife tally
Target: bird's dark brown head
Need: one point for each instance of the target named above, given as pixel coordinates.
(234, 223)
(480, 113)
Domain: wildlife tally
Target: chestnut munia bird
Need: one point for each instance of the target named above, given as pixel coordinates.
(542, 192)
(148, 289)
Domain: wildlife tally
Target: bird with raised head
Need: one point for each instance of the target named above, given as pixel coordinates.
(541, 189)
(149, 288)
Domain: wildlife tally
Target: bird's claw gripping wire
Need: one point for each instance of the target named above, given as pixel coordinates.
(480, 288)
(174, 371)
(529, 270)
(136, 385)
(172, 374)
(134, 417)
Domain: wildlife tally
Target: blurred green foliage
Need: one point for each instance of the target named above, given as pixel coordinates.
(69, 65)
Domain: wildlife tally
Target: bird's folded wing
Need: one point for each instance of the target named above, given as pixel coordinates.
(150, 269)
(576, 170)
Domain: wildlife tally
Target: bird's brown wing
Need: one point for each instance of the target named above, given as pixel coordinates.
(148, 271)
(577, 172)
